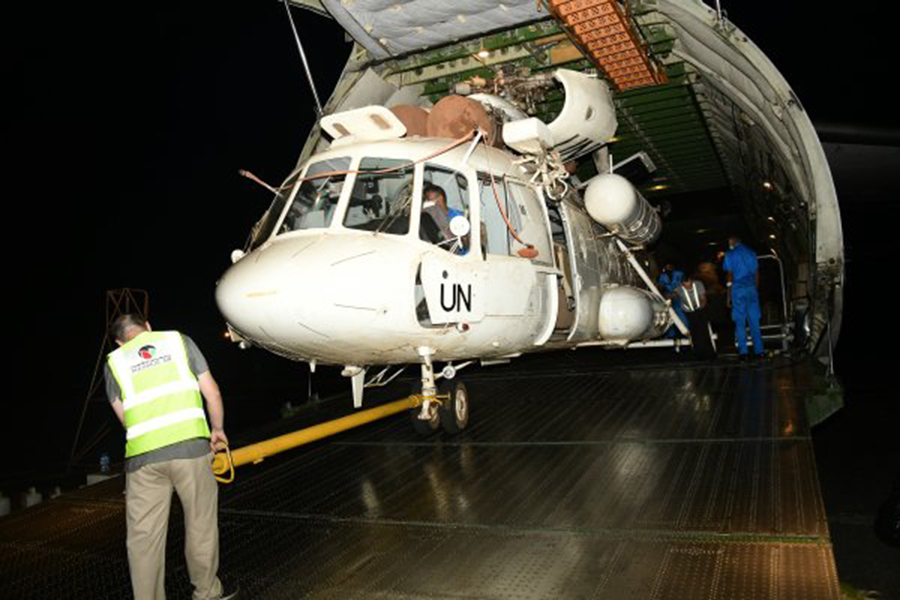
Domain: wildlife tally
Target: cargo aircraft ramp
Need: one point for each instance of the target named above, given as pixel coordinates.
(673, 481)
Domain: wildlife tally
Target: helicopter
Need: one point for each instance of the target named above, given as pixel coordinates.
(464, 241)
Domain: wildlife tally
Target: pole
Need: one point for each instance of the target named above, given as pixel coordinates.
(649, 283)
(309, 77)
(255, 453)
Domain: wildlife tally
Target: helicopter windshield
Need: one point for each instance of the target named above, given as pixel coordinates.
(382, 196)
(317, 197)
(266, 225)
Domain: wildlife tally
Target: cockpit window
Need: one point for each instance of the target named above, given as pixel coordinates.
(445, 197)
(266, 225)
(495, 232)
(382, 196)
(317, 197)
(526, 208)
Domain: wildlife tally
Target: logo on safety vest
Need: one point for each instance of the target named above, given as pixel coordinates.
(147, 352)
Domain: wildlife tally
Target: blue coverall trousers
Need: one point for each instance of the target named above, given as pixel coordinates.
(745, 312)
(673, 331)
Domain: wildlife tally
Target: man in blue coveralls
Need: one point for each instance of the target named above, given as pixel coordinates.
(669, 281)
(743, 280)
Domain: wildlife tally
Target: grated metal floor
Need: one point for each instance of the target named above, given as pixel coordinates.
(677, 482)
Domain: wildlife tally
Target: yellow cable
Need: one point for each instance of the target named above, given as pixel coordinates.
(229, 468)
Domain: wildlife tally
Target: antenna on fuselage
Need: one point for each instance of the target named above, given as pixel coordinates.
(312, 85)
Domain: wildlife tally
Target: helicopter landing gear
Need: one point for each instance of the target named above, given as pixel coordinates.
(430, 423)
(448, 406)
(427, 418)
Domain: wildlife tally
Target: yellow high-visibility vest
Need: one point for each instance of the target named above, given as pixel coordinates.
(689, 305)
(159, 393)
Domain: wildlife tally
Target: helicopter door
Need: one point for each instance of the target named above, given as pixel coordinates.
(519, 286)
(584, 261)
(510, 277)
(528, 212)
(450, 280)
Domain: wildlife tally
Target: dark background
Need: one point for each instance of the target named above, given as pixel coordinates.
(128, 128)
(125, 127)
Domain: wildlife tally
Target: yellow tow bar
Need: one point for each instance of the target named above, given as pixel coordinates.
(225, 462)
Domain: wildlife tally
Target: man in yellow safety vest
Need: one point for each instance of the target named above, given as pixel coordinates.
(154, 381)
(692, 296)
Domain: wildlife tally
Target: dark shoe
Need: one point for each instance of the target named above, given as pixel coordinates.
(229, 593)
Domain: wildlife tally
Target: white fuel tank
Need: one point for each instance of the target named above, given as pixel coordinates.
(613, 202)
(628, 314)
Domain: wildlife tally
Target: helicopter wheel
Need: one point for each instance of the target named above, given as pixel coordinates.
(454, 412)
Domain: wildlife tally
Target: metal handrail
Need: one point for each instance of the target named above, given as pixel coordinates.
(784, 306)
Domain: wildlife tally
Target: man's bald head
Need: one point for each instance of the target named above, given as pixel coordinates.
(127, 327)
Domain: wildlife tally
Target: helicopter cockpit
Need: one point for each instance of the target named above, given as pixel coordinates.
(433, 201)
(380, 199)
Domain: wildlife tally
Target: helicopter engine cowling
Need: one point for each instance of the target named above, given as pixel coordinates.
(628, 314)
(613, 202)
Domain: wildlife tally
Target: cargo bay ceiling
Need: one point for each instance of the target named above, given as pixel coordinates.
(712, 112)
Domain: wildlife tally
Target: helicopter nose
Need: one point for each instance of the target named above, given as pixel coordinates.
(305, 296)
(247, 295)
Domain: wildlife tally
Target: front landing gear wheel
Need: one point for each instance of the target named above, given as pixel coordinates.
(425, 427)
(455, 410)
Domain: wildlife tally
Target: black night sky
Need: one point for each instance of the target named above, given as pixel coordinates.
(127, 126)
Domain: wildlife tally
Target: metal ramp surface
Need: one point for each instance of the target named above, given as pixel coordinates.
(675, 482)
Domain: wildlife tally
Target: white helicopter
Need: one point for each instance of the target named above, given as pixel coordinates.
(396, 246)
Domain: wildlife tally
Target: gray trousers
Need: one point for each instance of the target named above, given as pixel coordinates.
(148, 496)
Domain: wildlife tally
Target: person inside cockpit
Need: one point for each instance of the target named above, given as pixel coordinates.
(435, 206)
(436, 217)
